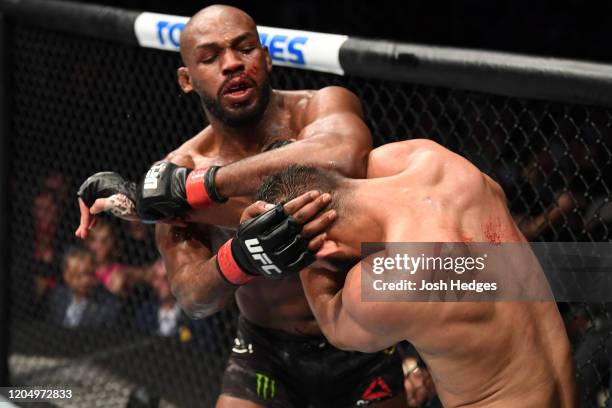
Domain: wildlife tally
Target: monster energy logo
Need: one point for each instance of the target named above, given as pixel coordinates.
(266, 387)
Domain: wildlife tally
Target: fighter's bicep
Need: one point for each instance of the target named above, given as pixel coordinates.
(383, 321)
(346, 333)
(354, 328)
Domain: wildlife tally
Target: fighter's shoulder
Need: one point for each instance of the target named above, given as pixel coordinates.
(311, 104)
(334, 99)
(429, 162)
(451, 175)
(405, 157)
(441, 166)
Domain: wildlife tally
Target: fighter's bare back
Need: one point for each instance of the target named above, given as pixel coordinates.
(485, 354)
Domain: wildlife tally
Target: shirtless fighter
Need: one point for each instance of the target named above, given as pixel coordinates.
(480, 354)
(280, 357)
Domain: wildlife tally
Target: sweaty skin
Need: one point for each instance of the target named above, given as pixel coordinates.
(218, 44)
(220, 47)
(485, 354)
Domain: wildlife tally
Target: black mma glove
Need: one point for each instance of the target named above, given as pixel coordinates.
(269, 245)
(105, 185)
(168, 190)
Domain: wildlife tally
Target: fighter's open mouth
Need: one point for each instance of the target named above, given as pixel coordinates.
(237, 86)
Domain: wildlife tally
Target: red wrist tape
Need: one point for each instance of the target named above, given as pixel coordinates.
(197, 196)
(229, 268)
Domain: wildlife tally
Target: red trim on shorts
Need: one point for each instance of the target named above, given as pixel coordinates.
(229, 268)
(197, 196)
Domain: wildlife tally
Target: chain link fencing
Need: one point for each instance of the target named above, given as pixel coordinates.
(80, 106)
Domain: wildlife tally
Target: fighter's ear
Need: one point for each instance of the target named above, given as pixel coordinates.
(268, 59)
(184, 79)
(329, 248)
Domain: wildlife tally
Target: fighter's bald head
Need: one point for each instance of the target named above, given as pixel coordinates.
(216, 19)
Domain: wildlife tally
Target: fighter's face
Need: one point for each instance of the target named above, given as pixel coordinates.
(229, 70)
(80, 275)
(102, 243)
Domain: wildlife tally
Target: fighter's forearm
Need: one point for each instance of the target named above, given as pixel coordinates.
(199, 288)
(324, 295)
(244, 177)
(329, 300)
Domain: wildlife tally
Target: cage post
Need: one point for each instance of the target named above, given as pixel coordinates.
(4, 208)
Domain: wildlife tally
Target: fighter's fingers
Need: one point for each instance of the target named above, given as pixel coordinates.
(100, 205)
(419, 392)
(410, 392)
(308, 211)
(409, 364)
(85, 221)
(414, 396)
(255, 209)
(294, 205)
(317, 242)
(416, 378)
(319, 224)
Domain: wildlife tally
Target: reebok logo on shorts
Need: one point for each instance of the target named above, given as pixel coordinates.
(378, 388)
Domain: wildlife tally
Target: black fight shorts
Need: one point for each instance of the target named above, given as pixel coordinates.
(277, 369)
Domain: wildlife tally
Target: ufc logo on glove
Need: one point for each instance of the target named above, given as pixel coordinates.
(269, 245)
(258, 254)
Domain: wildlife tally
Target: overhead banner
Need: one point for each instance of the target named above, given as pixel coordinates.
(289, 48)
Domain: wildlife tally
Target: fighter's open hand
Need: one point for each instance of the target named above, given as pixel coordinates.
(108, 192)
(306, 211)
(105, 191)
(276, 241)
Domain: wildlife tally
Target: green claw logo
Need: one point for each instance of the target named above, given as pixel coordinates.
(266, 387)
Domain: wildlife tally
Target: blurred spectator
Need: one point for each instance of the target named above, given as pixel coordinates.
(45, 269)
(45, 213)
(56, 182)
(418, 384)
(102, 243)
(117, 277)
(593, 359)
(531, 227)
(543, 206)
(81, 302)
(162, 316)
(598, 218)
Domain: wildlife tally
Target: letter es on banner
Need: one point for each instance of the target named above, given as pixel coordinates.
(289, 48)
(284, 48)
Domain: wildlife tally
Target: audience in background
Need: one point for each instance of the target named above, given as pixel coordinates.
(162, 316)
(81, 301)
(102, 243)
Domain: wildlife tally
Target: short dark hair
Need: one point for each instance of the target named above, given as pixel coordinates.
(75, 251)
(296, 180)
